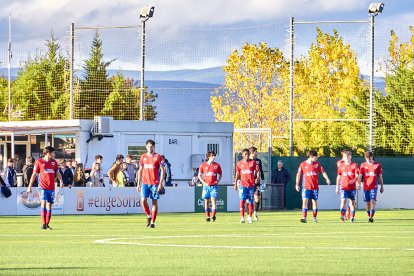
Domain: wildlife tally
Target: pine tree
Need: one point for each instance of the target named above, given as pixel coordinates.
(40, 91)
(95, 86)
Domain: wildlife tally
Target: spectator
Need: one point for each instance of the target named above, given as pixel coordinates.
(9, 174)
(115, 169)
(18, 163)
(98, 159)
(122, 178)
(281, 176)
(28, 171)
(167, 167)
(69, 164)
(66, 173)
(79, 176)
(96, 176)
(195, 181)
(131, 169)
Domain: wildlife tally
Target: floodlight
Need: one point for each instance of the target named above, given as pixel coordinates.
(146, 12)
(375, 8)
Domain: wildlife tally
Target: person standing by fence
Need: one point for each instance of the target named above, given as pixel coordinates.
(280, 175)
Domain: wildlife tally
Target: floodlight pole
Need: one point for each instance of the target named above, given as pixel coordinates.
(292, 42)
(141, 109)
(72, 47)
(8, 73)
(371, 86)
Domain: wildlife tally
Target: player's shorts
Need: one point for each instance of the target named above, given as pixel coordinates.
(348, 194)
(370, 195)
(48, 195)
(150, 191)
(246, 193)
(209, 192)
(310, 194)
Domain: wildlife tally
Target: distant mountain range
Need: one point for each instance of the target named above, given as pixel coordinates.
(209, 75)
(183, 95)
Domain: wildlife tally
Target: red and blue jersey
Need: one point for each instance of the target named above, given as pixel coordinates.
(347, 173)
(47, 171)
(150, 165)
(310, 174)
(210, 172)
(370, 171)
(247, 171)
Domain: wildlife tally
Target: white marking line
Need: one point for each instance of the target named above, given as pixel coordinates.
(118, 241)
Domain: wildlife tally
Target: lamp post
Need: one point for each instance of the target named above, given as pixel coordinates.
(144, 15)
(373, 10)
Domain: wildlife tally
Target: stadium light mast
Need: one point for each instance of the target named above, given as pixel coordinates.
(9, 58)
(145, 14)
(373, 10)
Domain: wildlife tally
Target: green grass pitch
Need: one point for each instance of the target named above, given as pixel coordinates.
(185, 244)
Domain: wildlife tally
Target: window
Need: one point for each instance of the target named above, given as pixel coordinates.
(65, 145)
(214, 147)
(136, 151)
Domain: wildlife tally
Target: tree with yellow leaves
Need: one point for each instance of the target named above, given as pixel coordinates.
(254, 93)
(326, 81)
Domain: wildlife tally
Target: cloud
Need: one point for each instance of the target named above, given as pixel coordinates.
(60, 13)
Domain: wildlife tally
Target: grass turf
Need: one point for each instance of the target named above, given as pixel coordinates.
(183, 244)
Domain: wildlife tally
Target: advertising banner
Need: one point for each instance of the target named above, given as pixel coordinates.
(29, 203)
(102, 201)
(8, 205)
(221, 200)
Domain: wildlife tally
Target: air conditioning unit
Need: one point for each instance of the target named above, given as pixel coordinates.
(102, 125)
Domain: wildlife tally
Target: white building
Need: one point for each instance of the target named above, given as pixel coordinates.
(182, 143)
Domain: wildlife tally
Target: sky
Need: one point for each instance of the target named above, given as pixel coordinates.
(193, 34)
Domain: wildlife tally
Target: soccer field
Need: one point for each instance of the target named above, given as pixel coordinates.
(184, 244)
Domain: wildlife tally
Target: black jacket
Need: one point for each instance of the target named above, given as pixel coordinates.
(27, 174)
(280, 177)
(67, 176)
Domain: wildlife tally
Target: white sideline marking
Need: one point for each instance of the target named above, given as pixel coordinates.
(118, 241)
(314, 235)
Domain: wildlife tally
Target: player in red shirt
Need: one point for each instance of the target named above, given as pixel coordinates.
(150, 177)
(372, 173)
(48, 169)
(310, 186)
(348, 172)
(339, 162)
(210, 175)
(246, 170)
(257, 192)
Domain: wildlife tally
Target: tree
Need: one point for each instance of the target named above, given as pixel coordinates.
(253, 95)
(40, 91)
(123, 102)
(327, 81)
(95, 86)
(3, 97)
(395, 110)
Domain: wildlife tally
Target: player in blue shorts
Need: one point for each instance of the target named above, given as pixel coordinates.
(210, 175)
(372, 173)
(246, 170)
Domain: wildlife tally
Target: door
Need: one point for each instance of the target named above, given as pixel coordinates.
(21, 151)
